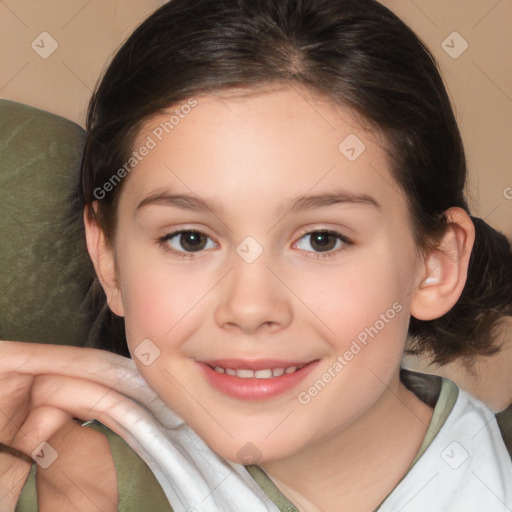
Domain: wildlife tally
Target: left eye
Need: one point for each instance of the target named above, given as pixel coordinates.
(188, 241)
(322, 241)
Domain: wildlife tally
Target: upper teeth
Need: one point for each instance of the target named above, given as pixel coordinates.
(258, 374)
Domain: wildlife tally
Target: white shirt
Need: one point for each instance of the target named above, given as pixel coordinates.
(466, 468)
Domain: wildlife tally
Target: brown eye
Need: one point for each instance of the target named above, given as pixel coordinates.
(322, 241)
(188, 241)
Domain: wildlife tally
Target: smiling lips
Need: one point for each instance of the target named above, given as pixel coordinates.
(255, 380)
(267, 373)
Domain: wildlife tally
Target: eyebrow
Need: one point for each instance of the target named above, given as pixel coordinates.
(322, 200)
(183, 201)
(293, 205)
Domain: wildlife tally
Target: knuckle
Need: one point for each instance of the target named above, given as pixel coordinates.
(44, 388)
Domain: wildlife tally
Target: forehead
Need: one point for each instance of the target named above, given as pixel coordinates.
(270, 144)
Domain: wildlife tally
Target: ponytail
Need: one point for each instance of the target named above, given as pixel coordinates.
(471, 328)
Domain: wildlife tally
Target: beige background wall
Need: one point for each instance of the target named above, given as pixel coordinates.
(88, 31)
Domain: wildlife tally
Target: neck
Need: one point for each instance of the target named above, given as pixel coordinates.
(357, 467)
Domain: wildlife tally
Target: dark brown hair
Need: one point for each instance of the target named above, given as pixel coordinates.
(357, 54)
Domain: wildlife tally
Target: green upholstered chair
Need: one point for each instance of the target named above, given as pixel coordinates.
(46, 276)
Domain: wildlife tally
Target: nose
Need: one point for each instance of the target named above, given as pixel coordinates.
(253, 299)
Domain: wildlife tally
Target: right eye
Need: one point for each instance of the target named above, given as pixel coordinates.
(186, 242)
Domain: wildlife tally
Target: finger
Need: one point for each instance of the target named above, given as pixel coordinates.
(86, 400)
(111, 370)
(14, 403)
(13, 475)
(37, 358)
(41, 425)
(31, 439)
(106, 368)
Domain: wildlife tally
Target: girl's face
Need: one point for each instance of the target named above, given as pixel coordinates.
(264, 233)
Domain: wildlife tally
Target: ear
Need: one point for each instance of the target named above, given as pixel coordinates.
(445, 268)
(103, 259)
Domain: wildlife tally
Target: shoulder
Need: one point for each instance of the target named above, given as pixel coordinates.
(471, 416)
(465, 467)
(470, 455)
(472, 428)
(138, 488)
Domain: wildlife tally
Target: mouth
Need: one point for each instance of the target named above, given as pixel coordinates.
(266, 373)
(255, 380)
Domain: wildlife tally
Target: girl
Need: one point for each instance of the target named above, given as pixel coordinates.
(273, 197)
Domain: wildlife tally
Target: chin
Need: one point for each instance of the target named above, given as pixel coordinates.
(245, 452)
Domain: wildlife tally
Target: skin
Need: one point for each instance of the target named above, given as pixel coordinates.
(43, 388)
(250, 154)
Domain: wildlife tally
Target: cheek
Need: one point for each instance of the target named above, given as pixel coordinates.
(355, 296)
(158, 299)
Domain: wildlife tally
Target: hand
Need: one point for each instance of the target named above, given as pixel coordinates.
(43, 387)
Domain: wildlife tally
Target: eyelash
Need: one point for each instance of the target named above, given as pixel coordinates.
(347, 243)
